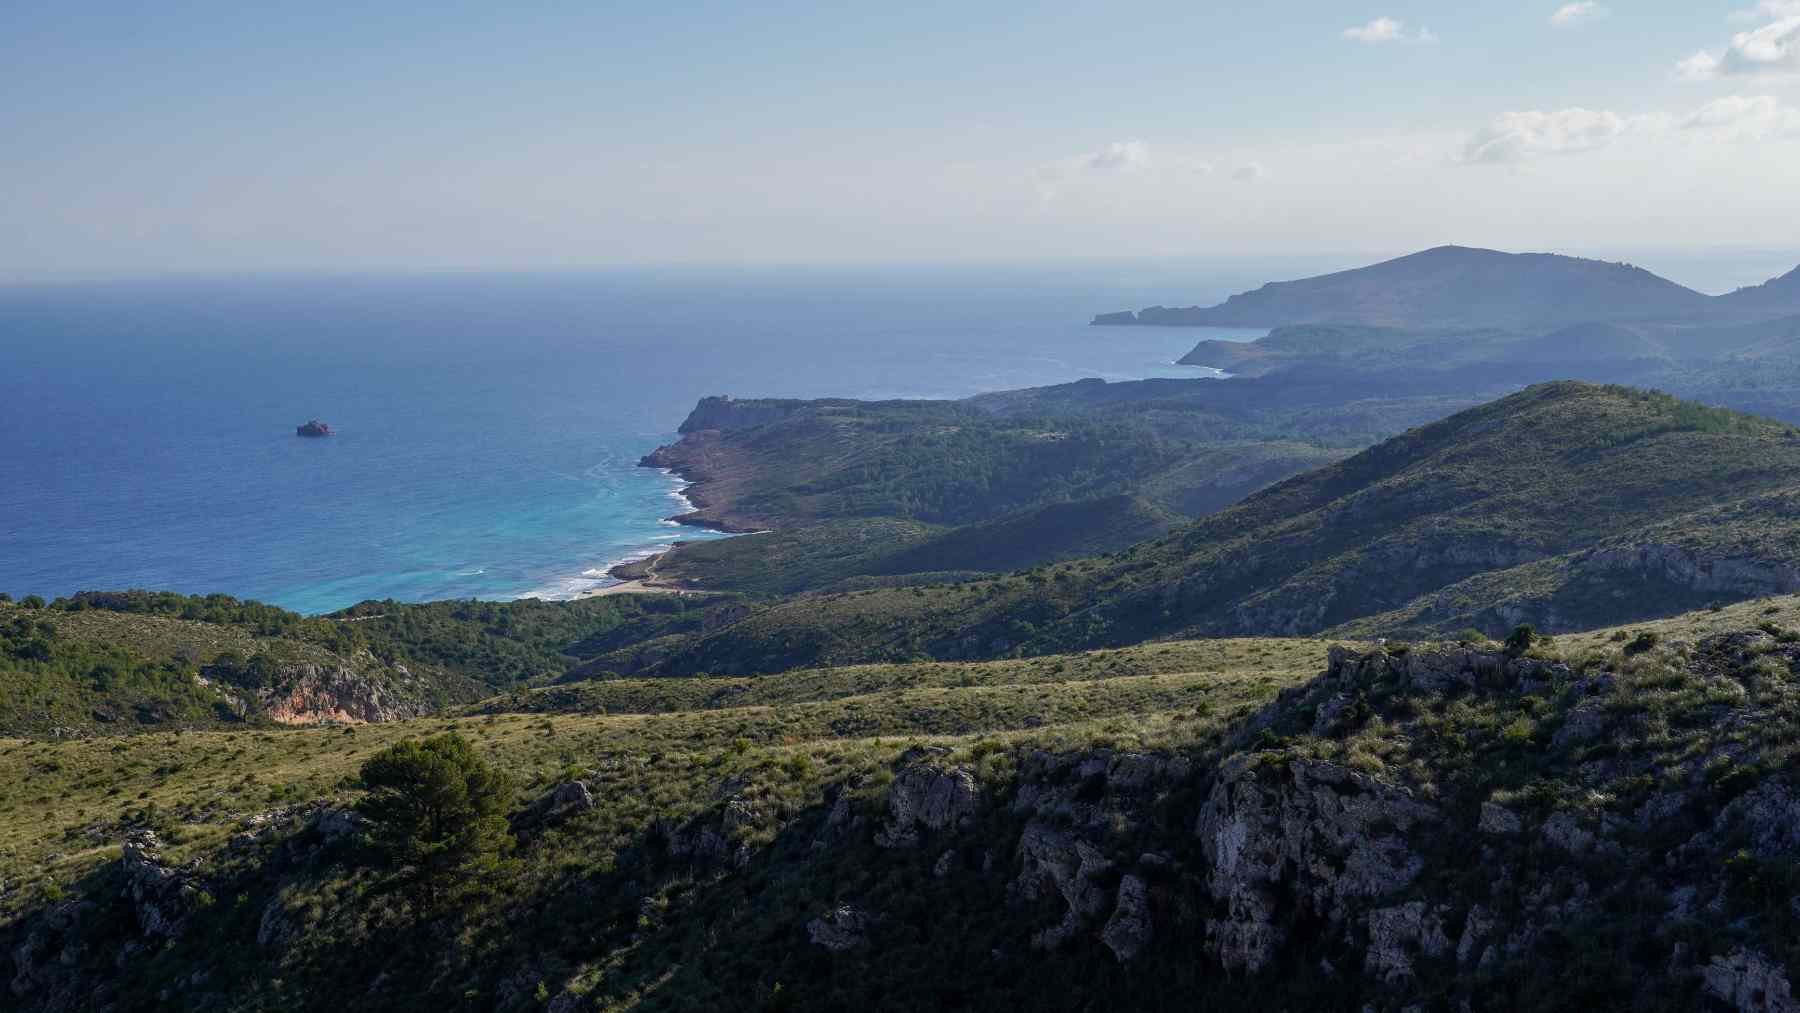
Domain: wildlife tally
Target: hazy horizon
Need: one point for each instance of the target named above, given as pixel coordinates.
(1714, 271)
(213, 138)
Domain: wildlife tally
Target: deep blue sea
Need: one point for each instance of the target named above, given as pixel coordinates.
(488, 427)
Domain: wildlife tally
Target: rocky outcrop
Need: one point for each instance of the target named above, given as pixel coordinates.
(310, 694)
(1749, 982)
(1055, 861)
(1399, 934)
(1300, 834)
(162, 897)
(925, 798)
(842, 928)
(717, 837)
(1129, 929)
(1439, 668)
(553, 807)
(1724, 575)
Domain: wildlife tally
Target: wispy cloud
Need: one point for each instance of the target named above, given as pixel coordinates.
(1120, 155)
(1523, 136)
(1746, 118)
(1249, 172)
(1772, 50)
(1570, 15)
(1520, 136)
(1388, 30)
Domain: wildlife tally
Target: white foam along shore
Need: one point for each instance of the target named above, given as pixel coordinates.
(598, 581)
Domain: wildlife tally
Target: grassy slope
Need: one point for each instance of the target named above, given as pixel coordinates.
(590, 906)
(1553, 470)
(64, 803)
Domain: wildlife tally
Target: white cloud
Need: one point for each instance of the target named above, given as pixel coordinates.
(1249, 172)
(1702, 66)
(1773, 49)
(1388, 30)
(1768, 10)
(1378, 30)
(1120, 155)
(1573, 14)
(1519, 136)
(1745, 118)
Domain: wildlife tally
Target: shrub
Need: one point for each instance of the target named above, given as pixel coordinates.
(436, 805)
(1520, 640)
(1643, 642)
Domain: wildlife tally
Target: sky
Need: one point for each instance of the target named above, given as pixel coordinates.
(142, 139)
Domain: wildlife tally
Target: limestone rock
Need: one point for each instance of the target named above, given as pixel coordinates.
(1128, 930)
(923, 797)
(1396, 934)
(160, 896)
(1328, 835)
(1054, 859)
(1750, 983)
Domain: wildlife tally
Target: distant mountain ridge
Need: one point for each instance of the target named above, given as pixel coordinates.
(1454, 287)
(1781, 295)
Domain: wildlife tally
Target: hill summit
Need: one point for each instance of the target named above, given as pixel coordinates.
(1448, 287)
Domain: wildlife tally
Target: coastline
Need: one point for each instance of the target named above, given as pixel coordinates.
(638, 575)
(635, 577)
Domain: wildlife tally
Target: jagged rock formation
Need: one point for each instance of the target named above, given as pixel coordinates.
(307, 693)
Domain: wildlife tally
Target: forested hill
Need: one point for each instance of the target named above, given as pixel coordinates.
(1567, 504)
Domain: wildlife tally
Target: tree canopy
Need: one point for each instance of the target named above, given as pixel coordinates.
(436, 804)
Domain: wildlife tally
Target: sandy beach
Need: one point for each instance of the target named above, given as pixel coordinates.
(639, 577)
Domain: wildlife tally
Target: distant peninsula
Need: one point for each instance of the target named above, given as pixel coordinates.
(1453, 287)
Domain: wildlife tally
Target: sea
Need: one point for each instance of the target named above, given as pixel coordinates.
(487, 428)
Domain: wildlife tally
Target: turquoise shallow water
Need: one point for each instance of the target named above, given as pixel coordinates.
(488, 427)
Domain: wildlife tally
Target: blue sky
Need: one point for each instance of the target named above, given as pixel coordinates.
(208, 137)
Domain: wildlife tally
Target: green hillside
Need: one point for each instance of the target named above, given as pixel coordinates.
(1613, 478)
(1231, 824)
(120, 662)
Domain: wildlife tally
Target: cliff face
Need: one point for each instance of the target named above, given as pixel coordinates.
(308, 694)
